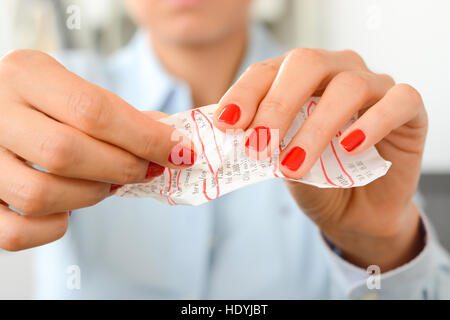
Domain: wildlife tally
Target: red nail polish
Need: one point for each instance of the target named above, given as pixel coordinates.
(230, 114)
(154, 170)
(182, 156)
(353, 140)
(114, 187)
(259, 139)
(294, 159)
(70, 213)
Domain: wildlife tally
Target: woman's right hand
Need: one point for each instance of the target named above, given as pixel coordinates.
(85, 137)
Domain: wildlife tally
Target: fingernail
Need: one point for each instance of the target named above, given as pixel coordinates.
(70, 213)
(184, 157)
(114, 187)
(353, 140)
(259, 139)
(230, 114)
(294, 159)
(154, 170)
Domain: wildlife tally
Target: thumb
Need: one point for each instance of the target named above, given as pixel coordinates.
(155, 115)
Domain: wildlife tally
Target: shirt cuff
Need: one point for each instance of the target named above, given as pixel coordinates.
(405, 282)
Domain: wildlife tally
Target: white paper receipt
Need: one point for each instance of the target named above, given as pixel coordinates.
(222, 165)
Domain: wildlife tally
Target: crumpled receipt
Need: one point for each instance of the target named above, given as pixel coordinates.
(222, 165)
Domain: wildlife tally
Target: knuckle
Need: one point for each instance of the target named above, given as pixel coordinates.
(15, 61)
(132, 170)
(150, 141)
(313, 57)
(388, 79)
(351, 54)
(355, 57)
(241, 90)
(12, 238)
(263, 66)
(319, 132)
(384, 116)
(57, 151)
(88, 110)
(355, 81)
(99, 192)
(31, 197)
(61, 228)
(316, 134)
(303, 53)
(11, 64)
(24, 56)
(410, 93)
(275, 106)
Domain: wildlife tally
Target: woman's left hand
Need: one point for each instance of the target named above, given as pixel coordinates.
(376, 224)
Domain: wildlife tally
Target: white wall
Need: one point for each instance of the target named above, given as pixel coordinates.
(410, 39)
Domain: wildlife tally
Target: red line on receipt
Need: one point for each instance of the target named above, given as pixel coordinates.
(169, 192)
(215, 174)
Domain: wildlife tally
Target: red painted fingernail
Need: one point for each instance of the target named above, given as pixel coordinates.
(70, 213)
(294, 159)
(230, 114)
(353, 140)
(114, 187)
(259, 139)
(184, 157)
(154, 170)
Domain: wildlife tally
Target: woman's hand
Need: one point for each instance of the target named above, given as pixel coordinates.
(376, 224)
(88, 139)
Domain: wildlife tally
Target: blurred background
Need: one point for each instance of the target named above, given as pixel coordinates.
(409, 39)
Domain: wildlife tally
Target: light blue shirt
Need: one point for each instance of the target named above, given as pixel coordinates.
(252, 243)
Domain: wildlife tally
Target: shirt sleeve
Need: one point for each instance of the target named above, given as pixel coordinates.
(427, 276)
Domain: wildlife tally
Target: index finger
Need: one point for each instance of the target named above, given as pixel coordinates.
(66, 97)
